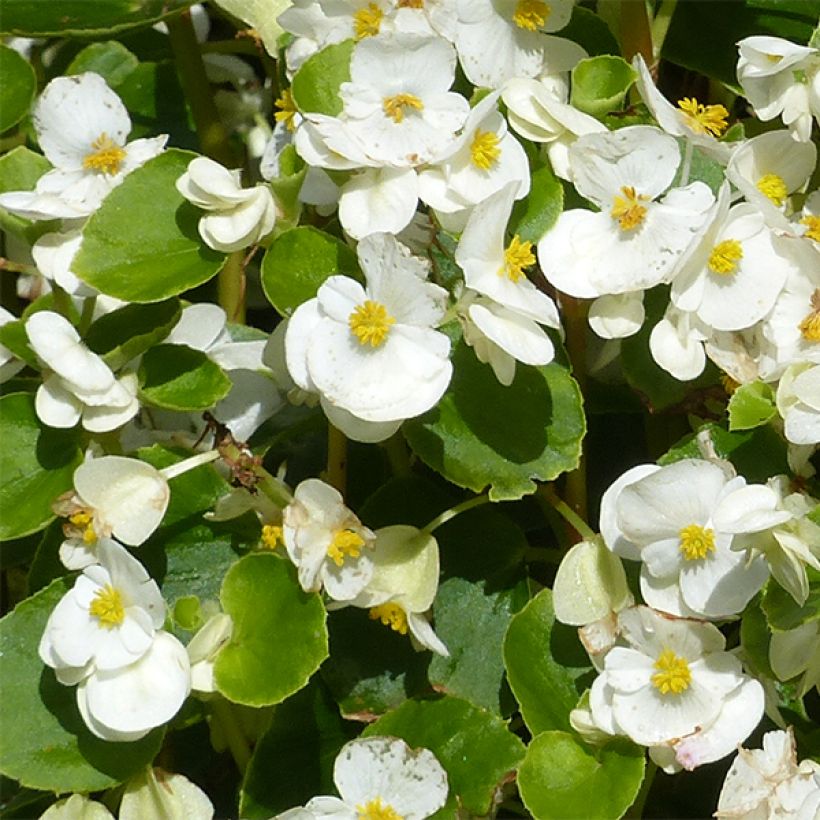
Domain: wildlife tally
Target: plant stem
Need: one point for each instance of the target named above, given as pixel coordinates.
(231, 287)
(336, 458)
(636, 35)
(687, 164)
(237, 742)
(181, 467)
(397, 455)
(636, 809)
(448, 515)
(87, 315)
(547, 491)
(660, 25)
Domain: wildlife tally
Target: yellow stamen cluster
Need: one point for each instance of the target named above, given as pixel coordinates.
(517, 256)
(391, 615)
(724, 257)
(773, 187)
(106, 155)
(627, 209)
(704, 119)
(376, 810)
(531, 14)
(696, 542)
(272, 536)
(484, 150)
(287, 110)
(812, 224)
(395, 106)
(345, 543)
(367, 21)
(673, 675)
(810, 326)
(107, 607)
(370, 323)
(84, 521)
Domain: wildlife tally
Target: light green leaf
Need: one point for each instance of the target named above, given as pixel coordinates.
(316, 84)
(177, 377)
(538, 212)
(261, 16)
(37, 464)
(142, 244)
(45, 742)
(751, 405)
(20, 169)
(482, 433)
(279, 635)
(17, 86)
(599, 84)
(475, 748)
(287, 185)
(110, 59)
(561, 778)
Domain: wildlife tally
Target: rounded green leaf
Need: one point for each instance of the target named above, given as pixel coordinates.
(45, 742)
(475, 748)
(37, 464)
(562, 778)
(751, 405)
(599, 84)
(316, 84)
(279, 634)
(298, 262)
(142, 244)
(544, 661)
(177, 377)
(540, 210)
(17, 86)
(111, 60)
(482, 433)
(20, 169)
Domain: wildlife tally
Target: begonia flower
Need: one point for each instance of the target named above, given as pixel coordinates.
(154, 793)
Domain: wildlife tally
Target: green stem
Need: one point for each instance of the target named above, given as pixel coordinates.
(636, 35)
(87, 315)
(636, 809)
(547, 491)
(448, 515)
(687, 164)
(230, 285)
(660, 25)
(336, 458)
(273, 488)
(237, 742)
(397, 455)
(174, 470)
(62, 301)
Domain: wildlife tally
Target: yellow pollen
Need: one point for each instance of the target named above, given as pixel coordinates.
(376, 810)
(531, 14)
(704, 119)
(724, 257)
(107, 607)
(391, 615)
(813, 225)
(394, 106)
(367, 21)
(272, 536)
(345, 543)
(810, 326)
(773, 187)
(287, 110)
(84, 521)
(517, 256)
(484, 150)
(411, 4)
(673, 675)
(370, 323)
(696, 542)
(628, 209)
(106, 155)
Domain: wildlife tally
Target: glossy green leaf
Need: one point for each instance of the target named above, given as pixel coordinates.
(316, 84)
(591, 32)
(484, 434)
(539, 211)
(546, 665)
(20, 169)
(475, 748)
(17, 86)
(142, 244)
(298, 262)
(177, 377)
(562, 778)
(279, 635)
(599, 84)
(755, 637)
(45, 742)
(37, 464)
(783, 612)
(110, 59)
(751, 405)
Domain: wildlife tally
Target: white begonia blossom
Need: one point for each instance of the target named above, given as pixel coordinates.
(53, 254)
(203, 649)
(796, 652)
(669, 687)
(683, 518)
(502, 324)
(798, 403)
(380, 777)
(10, 365)
(238, 217)
(677, 344)
(77, 807)
(81, 126)
(770, 783)
(372, 351)
(326, 541)
(154, 794)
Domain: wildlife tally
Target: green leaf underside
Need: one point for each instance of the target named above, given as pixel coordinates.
(751, 405)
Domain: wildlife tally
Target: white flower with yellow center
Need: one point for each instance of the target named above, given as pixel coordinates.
(798, 402)
(82, 127)
(380, 778)
(372, 351)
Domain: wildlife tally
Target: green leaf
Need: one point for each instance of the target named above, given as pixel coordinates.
(591, 32)
(316, 84)
(755, 637)
(299, 261)
(142, 244)
(783, 612)
(45, 742)
(475, 748)
(37, 464)
(123, 334)
(17, 86)
(286, 186)
(110, 59)
(562, 778)
(539, 211)
(599, 84)
(279, 635)
(539, 437)
(751, 405)
(546, 665)
(20, 169)
(177, 377)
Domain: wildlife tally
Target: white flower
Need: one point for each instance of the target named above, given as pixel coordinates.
(798, 402)
(10, 365)
(77, 807)
(81, 126)
(372, 352)
(238, 216)
(53, 254)
(203, 649)
(676, 344)
(81, 387)
(380, 777)
(154, 793)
